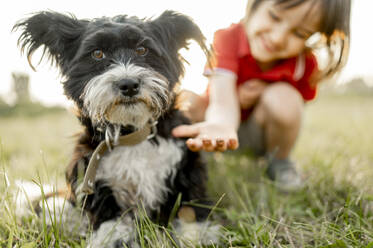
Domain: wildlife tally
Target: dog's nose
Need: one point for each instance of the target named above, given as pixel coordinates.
(129, 87)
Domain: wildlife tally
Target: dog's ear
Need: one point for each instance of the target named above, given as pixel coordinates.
(174, 30)
(58, 33)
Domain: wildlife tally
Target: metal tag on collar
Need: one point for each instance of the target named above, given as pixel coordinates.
(108, 138)
(153, 126)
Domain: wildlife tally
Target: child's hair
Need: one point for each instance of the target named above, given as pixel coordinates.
(334, 34)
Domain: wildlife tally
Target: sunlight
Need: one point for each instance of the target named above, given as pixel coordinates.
(209, 15)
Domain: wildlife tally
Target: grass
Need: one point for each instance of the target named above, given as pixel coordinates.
(335, 209)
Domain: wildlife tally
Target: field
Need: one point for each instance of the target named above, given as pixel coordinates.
(334, 153)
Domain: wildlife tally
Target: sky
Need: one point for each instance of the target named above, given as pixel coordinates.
(210, 15)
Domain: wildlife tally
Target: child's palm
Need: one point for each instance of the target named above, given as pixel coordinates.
(208, 136)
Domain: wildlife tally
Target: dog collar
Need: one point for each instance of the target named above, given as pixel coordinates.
(148, 132)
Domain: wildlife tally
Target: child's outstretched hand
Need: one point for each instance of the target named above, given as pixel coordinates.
(208, 136)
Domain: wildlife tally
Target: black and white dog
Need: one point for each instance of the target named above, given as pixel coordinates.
(121, 72)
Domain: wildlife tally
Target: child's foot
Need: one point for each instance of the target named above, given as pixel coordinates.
(284, 174)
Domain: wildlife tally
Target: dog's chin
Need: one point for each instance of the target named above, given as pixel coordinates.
(136, 114)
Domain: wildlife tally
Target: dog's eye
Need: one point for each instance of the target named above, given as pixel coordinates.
(98, 54)
(142, 51)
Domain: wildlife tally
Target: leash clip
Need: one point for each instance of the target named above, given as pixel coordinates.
(153, 129)
(108, 138)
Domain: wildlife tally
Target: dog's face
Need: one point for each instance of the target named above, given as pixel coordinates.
(119, 70)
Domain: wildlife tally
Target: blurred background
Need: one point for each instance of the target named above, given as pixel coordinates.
(210, 15)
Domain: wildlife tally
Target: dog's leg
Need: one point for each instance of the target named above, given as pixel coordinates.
(112, 226)
(191, 225)
(59, 211)
(114, 233)
(193, 228)
(192, 233)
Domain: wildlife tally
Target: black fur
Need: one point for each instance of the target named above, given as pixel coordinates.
(69, 42)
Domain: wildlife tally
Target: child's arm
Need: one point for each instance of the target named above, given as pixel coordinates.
(219, 130)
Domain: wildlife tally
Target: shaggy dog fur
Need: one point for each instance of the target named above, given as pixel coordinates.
(122, 72)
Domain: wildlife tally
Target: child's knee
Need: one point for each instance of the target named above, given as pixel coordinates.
(282, 103)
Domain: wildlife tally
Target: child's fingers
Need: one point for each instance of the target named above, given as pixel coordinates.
(221, 145)
(208, 145)
(194, 145)
(232, 144)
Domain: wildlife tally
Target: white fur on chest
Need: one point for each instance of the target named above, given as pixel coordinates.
(139, 172)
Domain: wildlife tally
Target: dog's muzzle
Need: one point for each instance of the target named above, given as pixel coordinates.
(126, 95)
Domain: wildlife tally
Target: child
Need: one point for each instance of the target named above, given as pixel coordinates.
(263, 72)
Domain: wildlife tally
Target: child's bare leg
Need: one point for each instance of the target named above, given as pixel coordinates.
(193, 105)
(279, 112)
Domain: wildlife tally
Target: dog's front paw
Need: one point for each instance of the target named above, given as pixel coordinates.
(113, 234)
(193, 233)
(121, 244)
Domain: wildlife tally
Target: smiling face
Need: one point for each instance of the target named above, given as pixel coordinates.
(275, 32)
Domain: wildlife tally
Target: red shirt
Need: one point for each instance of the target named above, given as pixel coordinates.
(232, 53)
